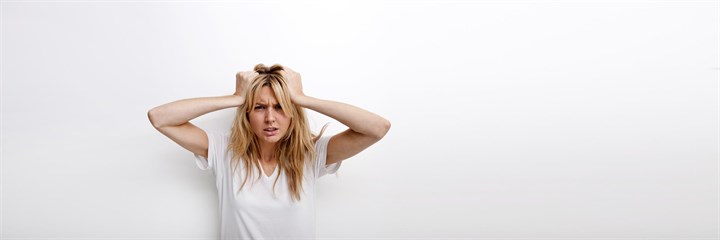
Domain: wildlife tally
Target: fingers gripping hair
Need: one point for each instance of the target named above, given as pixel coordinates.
(274, 69)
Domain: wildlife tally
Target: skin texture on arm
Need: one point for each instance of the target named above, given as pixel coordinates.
(365, 128)
(172, 119)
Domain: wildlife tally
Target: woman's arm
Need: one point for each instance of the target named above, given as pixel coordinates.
(365, 128)
(180, 112)
(172, 119)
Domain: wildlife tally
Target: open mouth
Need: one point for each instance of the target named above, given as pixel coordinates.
(270, 131)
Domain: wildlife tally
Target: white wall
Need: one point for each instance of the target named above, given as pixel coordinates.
(520, 119)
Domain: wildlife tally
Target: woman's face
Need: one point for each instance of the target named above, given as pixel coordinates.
(267, 119)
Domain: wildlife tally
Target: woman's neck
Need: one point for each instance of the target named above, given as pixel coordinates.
(267, 152)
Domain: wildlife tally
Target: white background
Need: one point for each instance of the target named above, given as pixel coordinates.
(519, 119)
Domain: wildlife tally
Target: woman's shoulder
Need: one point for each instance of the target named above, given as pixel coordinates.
(223, 136)
(219, 142)
(321, 142)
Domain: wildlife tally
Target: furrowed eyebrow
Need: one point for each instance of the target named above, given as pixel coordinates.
(265, 104)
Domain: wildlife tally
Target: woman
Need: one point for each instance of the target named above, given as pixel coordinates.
(265, 168)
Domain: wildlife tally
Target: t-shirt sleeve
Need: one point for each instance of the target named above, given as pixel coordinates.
(217, 143)
(320, 158)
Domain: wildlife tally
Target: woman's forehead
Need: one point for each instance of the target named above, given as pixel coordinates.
(265, 96)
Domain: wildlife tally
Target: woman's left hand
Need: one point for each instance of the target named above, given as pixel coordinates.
(294, 82)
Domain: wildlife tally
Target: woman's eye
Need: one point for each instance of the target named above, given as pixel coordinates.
(278, 106)
(259, 107)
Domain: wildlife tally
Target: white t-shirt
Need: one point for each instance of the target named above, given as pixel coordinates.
(255, 212)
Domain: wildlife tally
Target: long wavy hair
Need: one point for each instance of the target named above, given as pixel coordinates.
(293, 149)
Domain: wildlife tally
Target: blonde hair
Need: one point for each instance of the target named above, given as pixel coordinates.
(293, 149)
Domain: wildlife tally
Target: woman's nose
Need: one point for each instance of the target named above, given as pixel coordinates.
(270, 115)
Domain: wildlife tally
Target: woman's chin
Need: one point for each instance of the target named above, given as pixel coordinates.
(270, 139)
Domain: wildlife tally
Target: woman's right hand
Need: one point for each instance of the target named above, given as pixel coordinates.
(242, 79)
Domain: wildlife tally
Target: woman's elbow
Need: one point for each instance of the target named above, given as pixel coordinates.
(152, 116)
(382, 129)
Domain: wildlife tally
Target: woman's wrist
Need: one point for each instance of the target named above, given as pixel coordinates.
(235, 100)
(301, 100)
